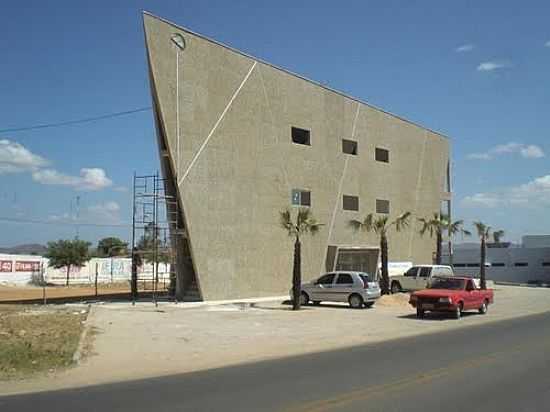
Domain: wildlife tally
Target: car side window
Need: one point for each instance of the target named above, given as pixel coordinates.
(470, 285)
(344, 278)
(447, 272)
(411, 272)
(325, 279)
(425, 272)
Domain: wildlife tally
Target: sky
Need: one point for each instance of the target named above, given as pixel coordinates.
(478, 72)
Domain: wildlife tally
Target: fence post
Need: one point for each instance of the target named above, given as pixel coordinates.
(95, 281)
(43, 283)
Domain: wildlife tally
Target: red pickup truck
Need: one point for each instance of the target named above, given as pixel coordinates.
(451, 294)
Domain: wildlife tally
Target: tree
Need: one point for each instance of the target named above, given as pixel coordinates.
(380, 225)
(497, 235)
(305, 223)
(67, 253)
(112, 246)
(483, 231)
(436, 225)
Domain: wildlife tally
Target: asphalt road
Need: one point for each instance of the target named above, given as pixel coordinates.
(501, 366)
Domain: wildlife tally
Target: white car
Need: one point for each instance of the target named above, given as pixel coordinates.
(419, 277)
(357, 288)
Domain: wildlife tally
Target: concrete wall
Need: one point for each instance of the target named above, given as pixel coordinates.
(235, 163)
(534, 257)
(22, 269)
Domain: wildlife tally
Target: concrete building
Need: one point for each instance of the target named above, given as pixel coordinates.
(241, 139)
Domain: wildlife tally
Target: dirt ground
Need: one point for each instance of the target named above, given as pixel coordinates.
(26, 294)
(177, 338)
(37, 339)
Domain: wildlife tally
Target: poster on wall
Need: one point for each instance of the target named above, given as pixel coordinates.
(27, 266)
(5, 265)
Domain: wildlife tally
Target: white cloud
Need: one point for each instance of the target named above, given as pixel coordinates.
(492, 65)
(530, 151)
(465, 48)
(105, 212)
(533, 194)
(15, 158)
(89, 180)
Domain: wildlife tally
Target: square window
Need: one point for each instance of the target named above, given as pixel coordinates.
(301, 197)
(382, 155)
(382, 206)
(350, 203)
(301, 136)
(349, 147)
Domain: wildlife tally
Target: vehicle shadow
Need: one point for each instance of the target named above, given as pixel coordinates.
(436, 316)
(325, 305)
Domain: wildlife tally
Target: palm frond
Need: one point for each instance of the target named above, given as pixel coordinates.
(285, 220)
(402, 221)
(355, 224)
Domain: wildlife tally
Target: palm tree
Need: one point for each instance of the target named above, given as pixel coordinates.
(305, 223)
(497, 235)
(483, 231)
(380, 225)
(437, 224)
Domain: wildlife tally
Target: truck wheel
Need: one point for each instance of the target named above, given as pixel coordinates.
(395, 287)
(484, 307)
(458, 311)
(355, 301)
(419, 313)
(304, 298)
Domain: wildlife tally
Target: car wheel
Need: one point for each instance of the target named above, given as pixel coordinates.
(316, 302)
(484, 307)
(304, 298)
(355, 301)
(369, 304)
(458, 311)
(395, 287)
(419, 313)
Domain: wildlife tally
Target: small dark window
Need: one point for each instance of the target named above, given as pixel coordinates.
(425, 272)
(459, 265)
(349, 147)
(498, 265)
(472, 265)
(521, 264)
(350, 202)
(301, 197)
(301, 136)
(382, 206)
(382, 155)
(545, 264)
(325, 279)
(344, 278)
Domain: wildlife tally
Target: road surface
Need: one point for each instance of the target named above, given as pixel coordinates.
(500, 366)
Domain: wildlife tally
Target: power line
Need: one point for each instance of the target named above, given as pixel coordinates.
(71, 122)
(59, 223)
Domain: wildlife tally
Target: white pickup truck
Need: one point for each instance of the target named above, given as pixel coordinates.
(418, 277)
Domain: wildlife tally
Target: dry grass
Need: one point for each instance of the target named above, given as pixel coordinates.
(37, 339)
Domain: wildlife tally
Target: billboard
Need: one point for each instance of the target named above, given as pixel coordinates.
(27, 266)
(5, 266)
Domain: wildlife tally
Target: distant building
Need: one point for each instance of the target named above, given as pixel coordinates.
(241, 140)
(530, 262)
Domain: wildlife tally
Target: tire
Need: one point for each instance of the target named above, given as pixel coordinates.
(419, 313)
(304, 298)
(369, 304)
(458, 311)
(316, 302)
(355, 301)
(395, 287)
(484, 307)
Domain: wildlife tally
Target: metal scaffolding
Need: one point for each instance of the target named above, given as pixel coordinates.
(154, 227)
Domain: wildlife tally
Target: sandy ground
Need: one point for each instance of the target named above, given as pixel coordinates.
(144, 341)
(35, 293)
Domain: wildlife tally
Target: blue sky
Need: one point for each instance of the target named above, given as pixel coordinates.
(475, 71)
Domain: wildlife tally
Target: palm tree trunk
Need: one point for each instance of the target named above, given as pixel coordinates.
(482, 264)
(297, 275)
(68, 271)
(385, 284)
(438, 248)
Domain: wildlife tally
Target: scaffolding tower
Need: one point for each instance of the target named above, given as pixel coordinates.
(154, 228)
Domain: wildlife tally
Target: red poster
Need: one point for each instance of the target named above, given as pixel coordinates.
(22, 266)
(5, 265)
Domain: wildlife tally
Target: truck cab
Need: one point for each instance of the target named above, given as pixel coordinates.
(419, 277)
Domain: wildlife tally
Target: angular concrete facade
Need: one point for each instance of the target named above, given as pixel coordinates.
(224, 124)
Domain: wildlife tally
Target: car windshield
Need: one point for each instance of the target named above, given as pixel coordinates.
(455, 284)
